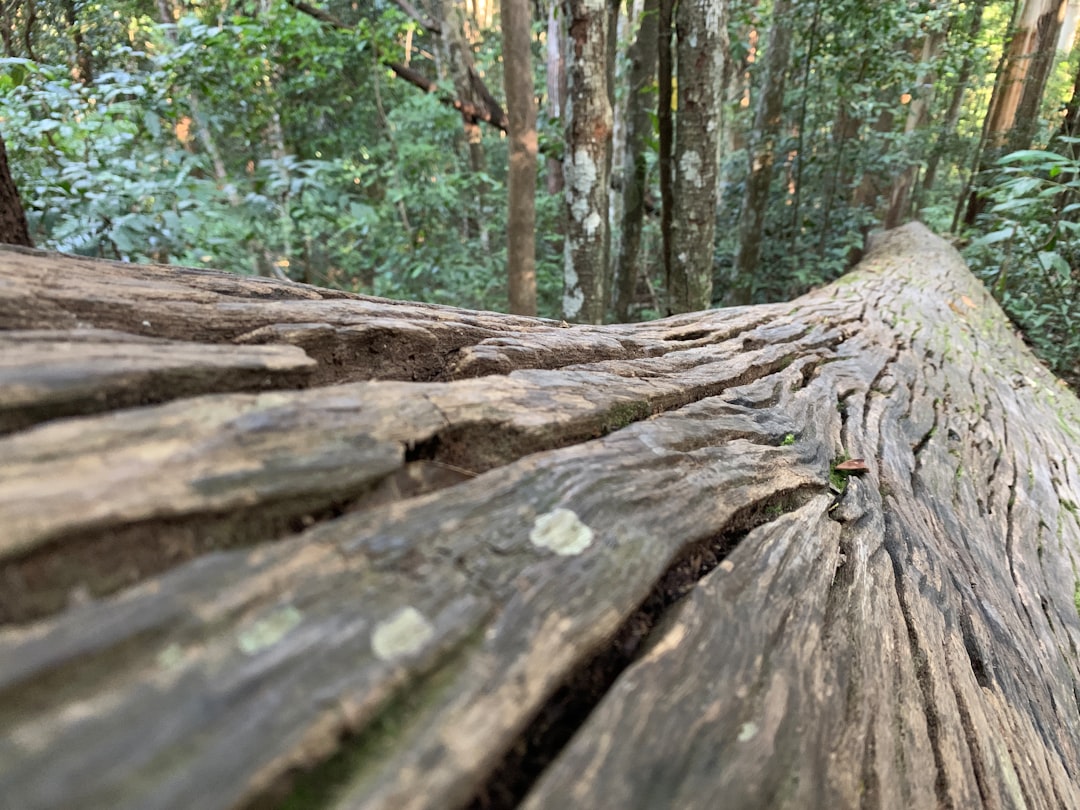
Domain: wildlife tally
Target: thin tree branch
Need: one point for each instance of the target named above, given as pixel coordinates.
(415, 15)
(322, 16)
(492, 113)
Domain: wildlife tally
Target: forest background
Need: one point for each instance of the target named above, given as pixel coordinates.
(584, 160)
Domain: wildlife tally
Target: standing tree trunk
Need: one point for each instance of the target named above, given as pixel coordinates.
(1031, 50)
(82, 66)
(665, 74)
(472, 92)
(556, 87)
(947, 130)
(702, 49)
(767, 120)
(918, 114)
(640, 101)
(521, 177)
(1011, 119)
(586, 162)
(13, 227)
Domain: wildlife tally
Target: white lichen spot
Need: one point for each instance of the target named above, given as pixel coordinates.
(171, 657)
(690, 168)
(268, 631)
(583, 172)
(748, 731)
(404, 633)
(591, 224)
(572, 302)
(561, 531)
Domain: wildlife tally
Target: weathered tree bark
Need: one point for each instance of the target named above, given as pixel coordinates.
(767, 120)
(586, 162)
(702, 50)
(521, 176)
(498, 561)
(13, 226)
(640, 102)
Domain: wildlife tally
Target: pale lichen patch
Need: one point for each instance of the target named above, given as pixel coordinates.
(268, 631)
(690, 168)
(561, 531)
(404, 633)
(748, 731)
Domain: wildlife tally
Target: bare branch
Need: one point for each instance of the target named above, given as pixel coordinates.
(428, 23)
(492, 113)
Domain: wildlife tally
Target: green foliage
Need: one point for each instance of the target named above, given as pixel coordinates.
(263, 142)
(1029, 251)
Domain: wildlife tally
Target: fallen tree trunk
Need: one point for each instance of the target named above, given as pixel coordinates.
(358, 553)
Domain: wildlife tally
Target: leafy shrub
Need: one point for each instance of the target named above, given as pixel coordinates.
(1029, 252)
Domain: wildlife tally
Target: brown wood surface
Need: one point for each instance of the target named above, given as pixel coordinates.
(466, 559)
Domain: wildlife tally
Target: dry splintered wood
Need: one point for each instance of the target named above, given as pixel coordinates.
(459, 559)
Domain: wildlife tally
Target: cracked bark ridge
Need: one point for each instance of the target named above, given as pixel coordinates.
(462, 559)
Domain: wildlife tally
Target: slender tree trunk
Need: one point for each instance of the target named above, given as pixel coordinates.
(702, 51)
(767, 118)
(642, 57)
(918, 114)
(521, 177)
(666, 132)
(1012, 118)
(1070, 125)
(952, 117)
(82, 69)
(586, 162)
(458, 58)
(1047, 30)
(13, 227)
(1031, 51)
(556, 87)
(801, 156)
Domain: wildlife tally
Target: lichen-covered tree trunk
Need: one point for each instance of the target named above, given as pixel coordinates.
(521, 177)
(702, 49)
(586, 162)
(265, 545)
(761, 152)
(640, 102)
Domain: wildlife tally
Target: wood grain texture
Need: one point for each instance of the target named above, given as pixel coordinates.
(47, 374)
(534, 565)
